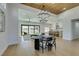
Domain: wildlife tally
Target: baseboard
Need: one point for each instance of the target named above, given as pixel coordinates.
(75, 39)
(12, 43)
(6, 46)
(3, 50)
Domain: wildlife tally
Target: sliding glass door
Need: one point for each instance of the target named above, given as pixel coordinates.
(30, 29)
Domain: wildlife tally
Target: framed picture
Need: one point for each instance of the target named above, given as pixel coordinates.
(2, 21)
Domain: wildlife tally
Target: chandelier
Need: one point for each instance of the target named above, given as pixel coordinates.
(43, 14)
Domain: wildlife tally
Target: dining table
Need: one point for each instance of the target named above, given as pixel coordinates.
(37, 40)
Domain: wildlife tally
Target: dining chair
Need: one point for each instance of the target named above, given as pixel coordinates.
(51, 42)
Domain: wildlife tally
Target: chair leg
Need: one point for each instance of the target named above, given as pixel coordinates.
(55, 46)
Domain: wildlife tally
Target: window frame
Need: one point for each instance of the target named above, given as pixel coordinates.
(28, 28)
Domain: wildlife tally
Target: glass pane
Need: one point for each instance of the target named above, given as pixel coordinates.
(31, 29)
(24, 30)
(36, 29)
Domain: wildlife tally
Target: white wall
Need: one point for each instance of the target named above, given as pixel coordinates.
(12, 23)
(67, 30)
(3, 40)
(66, 18)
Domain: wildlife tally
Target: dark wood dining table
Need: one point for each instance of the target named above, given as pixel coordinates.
(37, 41)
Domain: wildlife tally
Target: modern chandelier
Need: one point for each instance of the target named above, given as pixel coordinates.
(43, 14)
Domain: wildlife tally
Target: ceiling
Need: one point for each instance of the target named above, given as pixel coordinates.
(55, 8)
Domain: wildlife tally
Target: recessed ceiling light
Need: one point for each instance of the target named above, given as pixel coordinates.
(64, 8)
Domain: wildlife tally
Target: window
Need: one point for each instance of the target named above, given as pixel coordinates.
(30, 29)
(36, 29)
(24, 29)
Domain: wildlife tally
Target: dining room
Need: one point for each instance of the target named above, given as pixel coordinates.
(39, 31)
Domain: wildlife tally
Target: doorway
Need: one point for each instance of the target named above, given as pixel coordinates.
(75, 28)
